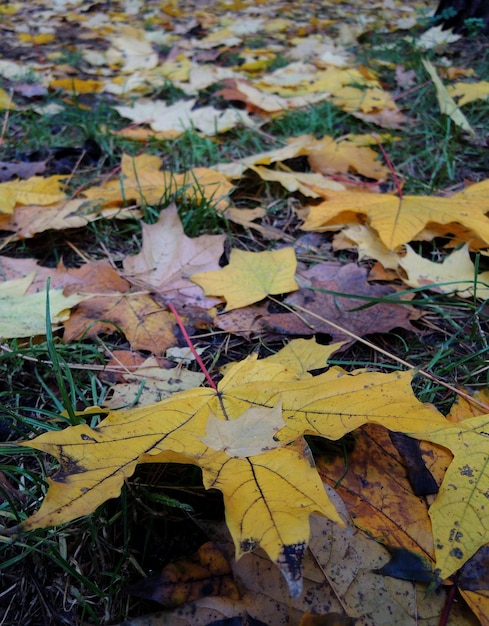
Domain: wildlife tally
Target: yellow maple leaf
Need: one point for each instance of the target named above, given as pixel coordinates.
(364, 100)
(37, 40)
(368, 245)
(35, 190)
(250, 277)
(143, 182)
(268, 496)
(78, 85)
(400, 220)
(455, 274)
(458, 515)
(468, 92)
(5, 100)
(328, 156)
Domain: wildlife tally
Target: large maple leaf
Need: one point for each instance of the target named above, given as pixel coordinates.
(400, 220)
(268, 494)
(458, 515)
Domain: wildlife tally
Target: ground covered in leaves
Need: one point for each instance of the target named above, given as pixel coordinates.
(244, 254)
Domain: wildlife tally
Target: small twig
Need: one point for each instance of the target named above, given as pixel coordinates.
(389, 355)
(448, 603)
(5, 119)
(389, 165)
(191, 346)
(80, 159)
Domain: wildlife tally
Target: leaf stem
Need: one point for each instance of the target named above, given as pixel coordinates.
(389, 165)
(191, 346)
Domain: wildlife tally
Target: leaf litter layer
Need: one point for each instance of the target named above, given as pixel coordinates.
(214, 98)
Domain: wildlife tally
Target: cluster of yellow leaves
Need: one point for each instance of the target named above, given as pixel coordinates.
(247, 438)
(393, 221)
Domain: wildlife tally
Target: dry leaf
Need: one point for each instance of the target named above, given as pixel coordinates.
(399, 221)
(251, 276)
(168, 258)
(445, 100)
(36, 190)
(250, 434)
(280, 487)
(455, 274)
(24, 315)
(339, 294)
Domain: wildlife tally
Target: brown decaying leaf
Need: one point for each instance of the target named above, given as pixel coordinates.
(92, 278)
(206, 573)
(377, 492)
(11, 169)
(145, 324)
(339, 583)
(321, 286)
(27, 221)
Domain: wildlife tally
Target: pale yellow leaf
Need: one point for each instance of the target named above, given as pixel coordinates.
(456, 274)
(251, 276)
(305, 182)
(251, 434)
(445, 100)
(468, 92)
(25, 315)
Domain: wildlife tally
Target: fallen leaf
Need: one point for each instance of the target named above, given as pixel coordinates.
(339, 294)
(328, 156)
(168, 258)
(9, 170)
(371, 478)
(305, 182)
(473, 584)
(183, 116)
(399, 221)
(251, 276)
(35, 190)
(367, 243)
(257, 99)
(27, 221)
(446, 102)
(150, 383)
(279, 487)
(207, 573)
(468, 92)
(131, 50)
(24, 315)
(250, 434)
(458, 516)
(146, 325)
(143, 182)
(455, 274)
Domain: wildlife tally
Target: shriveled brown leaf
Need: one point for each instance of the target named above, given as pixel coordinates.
(144, 323)
(321, 290)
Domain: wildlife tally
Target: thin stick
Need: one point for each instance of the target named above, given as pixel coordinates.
(389, 355)
(389, 165)
(5, 120)
(191, 346)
